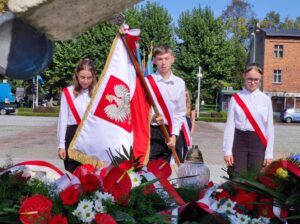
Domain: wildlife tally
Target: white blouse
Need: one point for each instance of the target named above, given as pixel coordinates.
(66, 116)
(260, 106)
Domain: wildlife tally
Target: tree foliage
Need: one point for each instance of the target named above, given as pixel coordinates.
(238, 17)
(155, 23)
(203, 43)
(272, 20)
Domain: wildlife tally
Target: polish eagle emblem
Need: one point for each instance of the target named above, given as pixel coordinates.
(119, 109)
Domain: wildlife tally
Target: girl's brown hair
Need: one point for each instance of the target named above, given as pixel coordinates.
(188, 103)
(253, 66)
(88, 65)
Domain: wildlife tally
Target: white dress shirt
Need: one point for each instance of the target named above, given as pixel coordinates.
(174, 88)
(66, 116)
(260, 106)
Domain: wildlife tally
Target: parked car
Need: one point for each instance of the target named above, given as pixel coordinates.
(7, 109)
(290, 115)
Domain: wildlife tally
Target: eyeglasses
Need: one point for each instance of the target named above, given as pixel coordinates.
(249, 80)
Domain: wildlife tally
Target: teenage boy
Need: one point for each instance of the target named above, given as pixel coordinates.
(169, 92)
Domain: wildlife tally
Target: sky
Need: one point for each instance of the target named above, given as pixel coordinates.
(285, 8)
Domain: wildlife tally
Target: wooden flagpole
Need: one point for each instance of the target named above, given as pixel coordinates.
(148, 94)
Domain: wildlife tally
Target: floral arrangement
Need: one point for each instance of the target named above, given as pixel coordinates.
(271, 196)
(117, 194)
(126, 192)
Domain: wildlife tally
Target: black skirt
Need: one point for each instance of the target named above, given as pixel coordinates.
(70, 164)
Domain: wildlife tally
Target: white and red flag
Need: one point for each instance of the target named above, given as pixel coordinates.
(118, 114)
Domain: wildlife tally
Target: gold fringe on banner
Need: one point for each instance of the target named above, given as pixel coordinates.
(75, 153)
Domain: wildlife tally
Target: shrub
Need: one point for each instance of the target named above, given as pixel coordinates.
(213, 119)
(41, 109)
(216, 114)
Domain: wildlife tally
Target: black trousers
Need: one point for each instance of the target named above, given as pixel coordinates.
(158, 147)
(70, 164)
(248, 151)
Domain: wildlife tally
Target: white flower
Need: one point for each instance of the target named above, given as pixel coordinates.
(103, 196)
(85, 205)
(233, 219)
(99, 207)
(255, 221)
(227, 207)
(88, 216)
(84, 211)
(244, 219)
(264, 220)
(135, 179)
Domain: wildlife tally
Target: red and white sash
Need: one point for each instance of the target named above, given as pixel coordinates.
(162, 101)
(251, 119)
(71, 105)
(186, 133)
(167, 111)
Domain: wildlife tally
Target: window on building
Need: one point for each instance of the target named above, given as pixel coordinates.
(278, 51)
(277, 76)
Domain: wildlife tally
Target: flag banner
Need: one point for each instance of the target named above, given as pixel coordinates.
(118, 114)
(149, 66)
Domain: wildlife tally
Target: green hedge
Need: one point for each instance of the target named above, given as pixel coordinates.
(213, 116)
(212, 119)
(38, 112)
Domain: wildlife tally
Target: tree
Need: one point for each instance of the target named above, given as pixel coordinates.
(203, 43)
(288, 23)
(272, 20)
(94, 44)
(297, 23)
(155, 23)
(238, 18)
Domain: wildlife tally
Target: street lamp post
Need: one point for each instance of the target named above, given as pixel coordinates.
(199, 75)
(254, 47)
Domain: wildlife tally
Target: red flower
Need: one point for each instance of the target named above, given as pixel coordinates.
(245, 198)
(210, 184)
(35, 210)
(223, 194)
(103, 218)
(58, 219)
(69, 196)
(267, 181)
(89, 182)
(149, 189)
(160, 168)
(103, 172)
(284, 213)
(266, 208)
(118, 183)
(126, 165)
(83, 170)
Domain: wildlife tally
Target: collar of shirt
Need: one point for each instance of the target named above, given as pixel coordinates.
(170, 80)
(254, 93)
